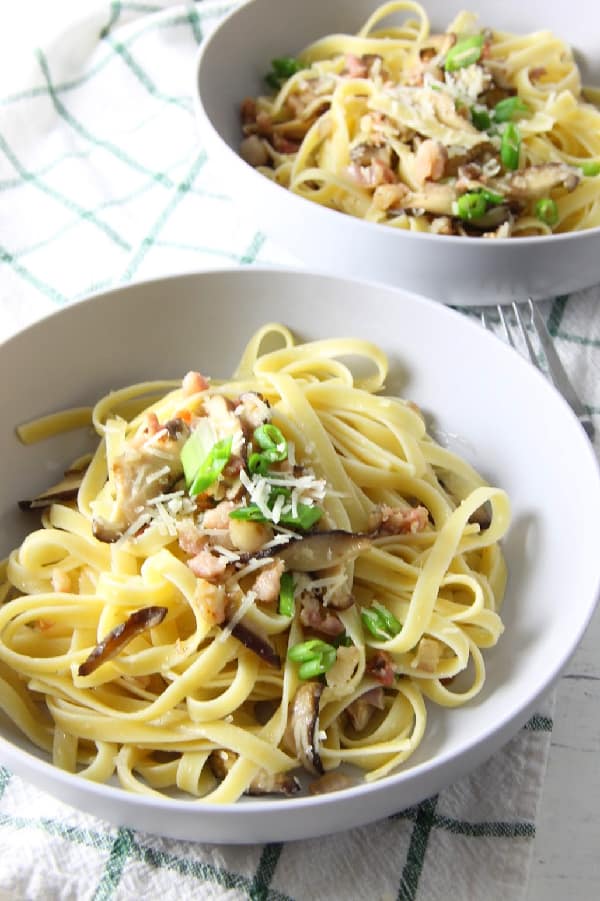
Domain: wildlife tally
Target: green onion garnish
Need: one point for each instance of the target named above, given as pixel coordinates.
(590, 168)
(491, 198)
(306, 518)
(480, 118)
(212, 467)
(547, 211)
(282, 68)
(258, 464)
(286, 595)
(510, 147)
(314, 656)
(509, 108)
(471, 205)
(203, 459)
(271, 441)
(464, 53)
(378, 620)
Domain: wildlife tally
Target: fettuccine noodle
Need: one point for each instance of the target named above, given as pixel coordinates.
(469, 132)
(147, 633)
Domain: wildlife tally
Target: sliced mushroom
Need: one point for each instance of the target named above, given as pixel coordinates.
(65, 490)
(264, 783)
(434, 198)
(364, 154)
(538, 181)
(482, 516)
(330, 782)
(305, 726)
(257, 644)
(117, 638)
(491, 219)
(322, 550)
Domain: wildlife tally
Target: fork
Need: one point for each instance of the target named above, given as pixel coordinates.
(555, 370)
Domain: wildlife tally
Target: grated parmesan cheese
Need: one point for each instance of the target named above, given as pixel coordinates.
(239, 614)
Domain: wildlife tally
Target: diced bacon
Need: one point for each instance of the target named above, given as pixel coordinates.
(377, 173)
(264, 124)
(285, 145)
(234, 466)
(430, 161)
(248, 110)
(318, 618)
(252, 410)
(61, 581)
(398, 521)
(268, 582)
(193, 383)
(207, 566)
(356, 66)
(151, 428)
(381, 667)
(218, 517)
(190, 539)
(212, 602)
(537, 72)
(254, 151)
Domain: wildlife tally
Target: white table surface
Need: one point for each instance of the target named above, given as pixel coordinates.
(566, 859)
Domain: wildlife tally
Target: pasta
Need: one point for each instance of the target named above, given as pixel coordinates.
(469, 132)
(250, 576)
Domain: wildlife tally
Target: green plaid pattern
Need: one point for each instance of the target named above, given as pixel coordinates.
(93, 196)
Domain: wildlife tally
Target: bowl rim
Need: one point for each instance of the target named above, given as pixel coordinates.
(508, 723)
(375, 227)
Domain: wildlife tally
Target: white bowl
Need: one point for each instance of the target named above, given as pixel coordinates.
(456, 270)
(505, 418)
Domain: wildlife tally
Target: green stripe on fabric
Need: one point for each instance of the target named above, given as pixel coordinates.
(417, 850)
(115, 15)
(142, 76)
(492, 829)
(113, 871)
(249, 256)
(26, 275)
(259, 890)
(182, 189)
(74, 834)
(87, 215)
(194, 20)
(114, 149)
(577, 339)
(5, 777)
(556, 314)
(539, 723)
(198, 248)
(187, 866)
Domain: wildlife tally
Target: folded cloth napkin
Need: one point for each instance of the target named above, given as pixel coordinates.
(103, 180)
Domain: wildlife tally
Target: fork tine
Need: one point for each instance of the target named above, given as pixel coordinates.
(507, 331)
(532, 354)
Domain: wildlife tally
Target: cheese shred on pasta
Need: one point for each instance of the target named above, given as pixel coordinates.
(472, 132)
(250, 578)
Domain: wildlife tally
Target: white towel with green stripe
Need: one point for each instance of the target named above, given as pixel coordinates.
(103, 180)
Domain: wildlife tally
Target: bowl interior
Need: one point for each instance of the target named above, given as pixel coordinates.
(483, 399)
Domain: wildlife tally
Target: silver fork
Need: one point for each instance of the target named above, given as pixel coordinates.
(555, 370)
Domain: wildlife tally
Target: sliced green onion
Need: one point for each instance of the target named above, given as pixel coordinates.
(196, 449)
(282, 68)
(342, 641)
(480, 118)
(314, 656)
(306, 518)
(251, 513)
(270, 438)
(212, 467)
(286, 595)
(258, 464)
(510, 147)
(391, 624)
(547, 211)
(491, 198)
(509, 108)
(590, 168)
(378, 620)
(306, 650)
(464, 53)
(471, 205)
